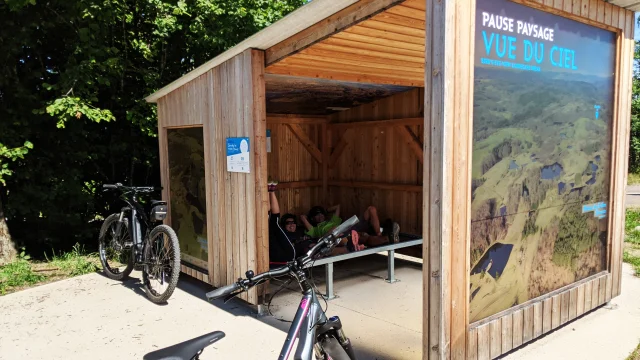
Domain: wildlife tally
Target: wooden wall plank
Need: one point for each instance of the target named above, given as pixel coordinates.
(608, 8)
(587, 297)
(573, 302)
(600, 12)
(576, 8)
(528, 324)
(472, 345)
(595, 293)
(484, 342)
(584, 9)
(555, 311)
(602, 290)
(496, 338)
(593, 9)
(580, 301)
(518, 328)
(507, 333)
(567, 6)
(564, 308)
(547, 315)
(538, 319)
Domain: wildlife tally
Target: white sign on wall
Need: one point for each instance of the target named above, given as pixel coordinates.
(268, 140)
(238, 155)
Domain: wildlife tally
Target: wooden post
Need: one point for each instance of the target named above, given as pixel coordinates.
(326, 136)
(448, 123)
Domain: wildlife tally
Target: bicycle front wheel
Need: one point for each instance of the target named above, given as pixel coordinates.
(161, 264)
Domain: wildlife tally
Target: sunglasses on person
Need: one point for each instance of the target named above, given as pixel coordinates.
(290, 222)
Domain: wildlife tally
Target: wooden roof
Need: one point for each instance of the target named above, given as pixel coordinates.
(370, 41)
(387, 48)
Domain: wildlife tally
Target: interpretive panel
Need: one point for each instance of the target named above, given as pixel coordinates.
(188, 193)
(543, 109)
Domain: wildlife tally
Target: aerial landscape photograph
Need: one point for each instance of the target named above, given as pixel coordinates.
(541, 167)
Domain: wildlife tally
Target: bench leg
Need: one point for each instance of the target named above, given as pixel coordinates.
(328, 270)
(391, 267)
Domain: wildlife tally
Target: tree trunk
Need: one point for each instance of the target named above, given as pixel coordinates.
(7, 249)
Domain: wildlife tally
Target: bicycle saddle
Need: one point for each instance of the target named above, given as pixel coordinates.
(185, 350)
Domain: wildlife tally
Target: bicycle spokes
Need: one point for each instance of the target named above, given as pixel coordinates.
(158, 262)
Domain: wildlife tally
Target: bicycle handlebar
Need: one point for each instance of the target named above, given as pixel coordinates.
(119, 186)
(326, 243)
(223, 291)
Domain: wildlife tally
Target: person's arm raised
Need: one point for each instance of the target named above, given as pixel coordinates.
(306, 222)
(335, 210)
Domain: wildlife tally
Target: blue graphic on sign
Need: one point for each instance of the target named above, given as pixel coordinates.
(238, 155)
(597, 107)
(599, 209)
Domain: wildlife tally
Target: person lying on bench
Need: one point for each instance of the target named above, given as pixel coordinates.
(365, 233)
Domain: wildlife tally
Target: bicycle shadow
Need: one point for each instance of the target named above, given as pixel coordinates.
(134, 283)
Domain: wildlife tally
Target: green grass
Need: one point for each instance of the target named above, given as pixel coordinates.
(24, 272)
(18, 274)
(635, 355)
(633, 179)
(632, 240)
(76, 262)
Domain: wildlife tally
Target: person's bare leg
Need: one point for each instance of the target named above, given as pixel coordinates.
(371, 215)
(377, 240)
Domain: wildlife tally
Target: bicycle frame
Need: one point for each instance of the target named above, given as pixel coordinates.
(138, 222)
(304, 325)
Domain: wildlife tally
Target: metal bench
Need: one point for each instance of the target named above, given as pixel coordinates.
(390, 249)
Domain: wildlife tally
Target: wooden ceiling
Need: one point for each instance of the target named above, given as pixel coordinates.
(316, 96)
(385, 48)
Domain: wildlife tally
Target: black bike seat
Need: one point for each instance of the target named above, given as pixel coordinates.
(185, 350)
(157, 202)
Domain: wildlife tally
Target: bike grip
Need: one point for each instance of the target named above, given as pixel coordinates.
(223, 291)
(108, 186)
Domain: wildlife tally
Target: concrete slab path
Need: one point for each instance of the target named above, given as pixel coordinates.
(92, 317)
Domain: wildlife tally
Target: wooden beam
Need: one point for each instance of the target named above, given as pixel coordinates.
(444, 144)
(325, 136)
(377, 123)
(295, 119)
(336, 74)
(350, 16)
(376, 185)
(413, 141)
(299, 184)
(306, 141)
(337, 151)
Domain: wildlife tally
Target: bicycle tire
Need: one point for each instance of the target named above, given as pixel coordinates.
(111, 220)
(333, 350)
(174, 263)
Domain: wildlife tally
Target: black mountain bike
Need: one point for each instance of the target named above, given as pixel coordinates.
(316, 333)
(134, 238)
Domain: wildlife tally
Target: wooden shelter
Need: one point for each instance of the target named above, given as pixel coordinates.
(483, 126)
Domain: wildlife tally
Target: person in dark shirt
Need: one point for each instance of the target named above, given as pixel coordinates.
(286, 241)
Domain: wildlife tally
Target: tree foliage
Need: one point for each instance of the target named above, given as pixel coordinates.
(72, 81)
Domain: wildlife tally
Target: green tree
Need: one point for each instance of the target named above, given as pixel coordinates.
(73, 77)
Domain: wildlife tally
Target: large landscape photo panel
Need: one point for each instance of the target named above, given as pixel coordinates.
(188, 193)
(543, 113)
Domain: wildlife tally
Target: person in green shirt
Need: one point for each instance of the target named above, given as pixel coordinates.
(365, 233)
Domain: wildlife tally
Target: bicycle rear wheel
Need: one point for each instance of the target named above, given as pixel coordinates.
(116, 254)
(162, 263)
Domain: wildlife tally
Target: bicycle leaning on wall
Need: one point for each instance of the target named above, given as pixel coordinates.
(135, 238)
